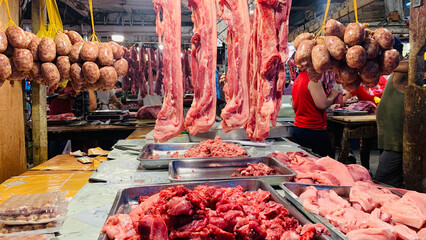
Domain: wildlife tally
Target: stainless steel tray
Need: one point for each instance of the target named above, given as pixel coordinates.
(126, 198)
(220, 169)
(282, 129)
(294, 190)
(164, 159)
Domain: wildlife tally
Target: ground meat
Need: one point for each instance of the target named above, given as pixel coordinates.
(254, 169)
(208, 212)
(215, 148)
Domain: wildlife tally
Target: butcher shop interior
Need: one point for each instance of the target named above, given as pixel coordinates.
(212, 119)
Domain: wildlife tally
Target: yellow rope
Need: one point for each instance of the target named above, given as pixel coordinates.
(93, 37)
(356, 11)
(326, 12)
(8, 13)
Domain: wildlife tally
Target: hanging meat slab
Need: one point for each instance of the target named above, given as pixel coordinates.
(268, 49)
(236, 111)
(151, 59)
(202, 114)
(170, 121)
(160, 76)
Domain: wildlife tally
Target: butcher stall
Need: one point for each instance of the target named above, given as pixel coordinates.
(159, 119)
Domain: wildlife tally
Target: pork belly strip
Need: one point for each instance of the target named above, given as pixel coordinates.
(201, 115)
(236, 112)
(170, 121)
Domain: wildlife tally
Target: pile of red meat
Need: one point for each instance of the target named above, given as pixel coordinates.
(327, 171)
(370, 212)
(208, 213)
(254, 169)
(61, 117)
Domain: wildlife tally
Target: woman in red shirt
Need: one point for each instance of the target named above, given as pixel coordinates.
(310, 103)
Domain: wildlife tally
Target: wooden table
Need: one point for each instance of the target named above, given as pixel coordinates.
(353, 127)
(140, 132)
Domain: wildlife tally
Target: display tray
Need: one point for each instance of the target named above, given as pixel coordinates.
(164, 151)
(341, 112)
(220, 169)
(292, 192)
(127, 198)
(282, 129)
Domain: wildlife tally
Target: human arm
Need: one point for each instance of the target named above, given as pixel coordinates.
(362, 94)
(115, 100)
(321, 101)
(93, 103)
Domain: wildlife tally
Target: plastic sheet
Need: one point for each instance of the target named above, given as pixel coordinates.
(37, 208)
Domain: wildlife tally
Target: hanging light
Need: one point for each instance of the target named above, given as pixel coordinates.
(117, 38)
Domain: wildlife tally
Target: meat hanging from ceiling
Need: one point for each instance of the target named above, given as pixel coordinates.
(151, 62)
(170, 121)
(201, 115)
(186, 71)
(236, 112)
(160, 76)
(143, 91)
(268, 53)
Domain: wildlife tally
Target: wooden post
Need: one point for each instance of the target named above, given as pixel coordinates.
(12, 138)
(39, 102)
(415, 104)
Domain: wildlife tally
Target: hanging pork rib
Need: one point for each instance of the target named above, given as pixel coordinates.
(236, 112)
(268, 53)
(170, 121)
(202, 114)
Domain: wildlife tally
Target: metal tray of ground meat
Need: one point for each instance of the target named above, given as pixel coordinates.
(164, 150)
(294, 190)
(219, 169)
(282, 129)
(127, 199)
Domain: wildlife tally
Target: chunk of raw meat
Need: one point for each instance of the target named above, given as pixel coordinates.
(369, 196)
(170, 121)
(236, 111)
(348, 219)
(202, 114)
(282, 14)
(152, 227)
(151, 61)
(375, 220)
(337, 169)
(254, 169)
(160, 76)
(322, 202)
(148, 112)
(359, 173)
(120, 227)
(268, 53)
(422, 234)
(410, 210)
(371, 234)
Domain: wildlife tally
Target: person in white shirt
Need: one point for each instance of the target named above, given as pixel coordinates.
(104, 98)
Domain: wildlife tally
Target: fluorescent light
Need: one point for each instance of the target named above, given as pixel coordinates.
(408, 4)
(160, 47)
(117, 38)
(251, 12)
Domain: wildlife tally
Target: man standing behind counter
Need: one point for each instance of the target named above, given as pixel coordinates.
(390, 121)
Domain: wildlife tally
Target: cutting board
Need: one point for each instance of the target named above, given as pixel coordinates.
(364, 118)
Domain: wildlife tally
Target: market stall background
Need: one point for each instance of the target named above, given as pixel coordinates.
(85, 210)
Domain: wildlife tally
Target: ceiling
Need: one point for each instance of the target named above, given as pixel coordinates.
(135, 19)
